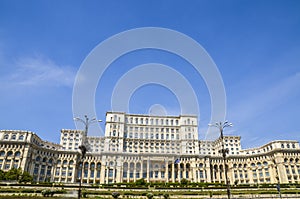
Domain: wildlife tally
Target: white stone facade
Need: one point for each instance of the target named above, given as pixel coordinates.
(143, 146)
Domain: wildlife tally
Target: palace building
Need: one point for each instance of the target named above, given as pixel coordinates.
(156, 148)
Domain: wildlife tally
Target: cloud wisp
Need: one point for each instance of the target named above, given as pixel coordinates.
(39, 71)
(264, 100)
(267, 99)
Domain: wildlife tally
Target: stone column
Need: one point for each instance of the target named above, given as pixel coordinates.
(166, 171)
(102, 173)
(148, 170)
(134, 172)
(173, 172)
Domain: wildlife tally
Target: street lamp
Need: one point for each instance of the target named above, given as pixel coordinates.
(83, 149)
(221, 126)
(277, 178)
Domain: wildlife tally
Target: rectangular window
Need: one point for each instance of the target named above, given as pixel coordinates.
(43, 170)
(63, 173)
(57, 171)
(110, 173)
(131, 174)
(36, 169)
(156, 174)
(201, 174)
(70, 171)
(92, 173)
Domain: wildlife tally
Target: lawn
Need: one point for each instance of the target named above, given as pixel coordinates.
(31, 197)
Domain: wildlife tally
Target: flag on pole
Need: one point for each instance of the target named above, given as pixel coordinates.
(177, 161)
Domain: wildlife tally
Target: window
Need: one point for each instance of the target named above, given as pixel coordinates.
(201, 174)
(10, 153)
(21, 137)
(43, 170)
(254, 174)
(36, 169)
(124, 174)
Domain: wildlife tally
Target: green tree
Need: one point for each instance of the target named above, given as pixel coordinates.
(2, 175)
(141, 182)
(184, 182)
(13, 174)
(25, 177)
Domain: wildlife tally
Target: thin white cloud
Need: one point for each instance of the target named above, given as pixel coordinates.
(266, 99)
(39, 71)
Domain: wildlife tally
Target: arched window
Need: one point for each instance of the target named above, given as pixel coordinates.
(98, 165)
(2, 153)
(17, 154)
(6, 137)
(111, 163)
(13, 137)
(50, 161)
(21, 137)
(187, 166)
(259, 164)
(44, 159)
(10, 153)
(65, 162)
(92, 165)
(38, 158)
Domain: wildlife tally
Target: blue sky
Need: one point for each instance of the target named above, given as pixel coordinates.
(255, 45)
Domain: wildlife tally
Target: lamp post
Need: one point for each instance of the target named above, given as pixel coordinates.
(82, 147)
(221, 126)
(277, 178)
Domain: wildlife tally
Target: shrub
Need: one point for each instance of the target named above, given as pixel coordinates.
(48, 192)
(149, 195)
(115, 194)
(166, 196)
(141, 182)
